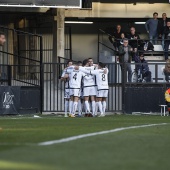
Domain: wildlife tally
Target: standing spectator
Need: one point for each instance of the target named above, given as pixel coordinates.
(125, 57)
(161, 27)
(2, 41)
(151, 28)
(116, 36)
(133, 40)
(167, 39)
(120, 42)
(2, 38)
(166, 70)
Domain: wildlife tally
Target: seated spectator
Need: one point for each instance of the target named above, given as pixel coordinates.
(167, 71)
(133, 38)
(142, 68)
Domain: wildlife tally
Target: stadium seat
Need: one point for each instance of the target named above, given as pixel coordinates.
(158, 48)
(164, 110)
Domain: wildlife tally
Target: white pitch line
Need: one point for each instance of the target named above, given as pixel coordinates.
(95, 134)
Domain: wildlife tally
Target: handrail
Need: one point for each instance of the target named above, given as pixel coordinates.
(106, 33)
(19, 31)
(65, 59)
(107, 46)
(18, 56)
(138, 41)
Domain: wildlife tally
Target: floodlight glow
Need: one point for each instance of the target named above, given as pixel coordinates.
(139, 22)
(78, 22)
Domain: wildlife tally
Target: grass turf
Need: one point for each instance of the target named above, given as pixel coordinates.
(143, 148)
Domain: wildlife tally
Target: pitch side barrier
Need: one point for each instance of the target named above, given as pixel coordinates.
(141, 94)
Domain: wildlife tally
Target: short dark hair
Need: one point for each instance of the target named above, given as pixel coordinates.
(155, 13)
(141, 54)
(2, 33)
(102, 65)
(69, 61)
(85, 62)
(79, 62)
(125, 39)
(90, 58)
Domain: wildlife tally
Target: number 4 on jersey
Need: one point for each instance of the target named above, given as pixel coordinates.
(75, 76)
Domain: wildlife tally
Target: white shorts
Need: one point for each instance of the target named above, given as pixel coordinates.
(102, 93)
(75, 92)
(89, 91)
(67, 94)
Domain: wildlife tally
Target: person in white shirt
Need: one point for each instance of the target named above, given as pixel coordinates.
(75, 77)
(102, 85)
(89, 90)
(67, 90)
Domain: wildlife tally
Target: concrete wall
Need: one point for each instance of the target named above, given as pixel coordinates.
(140, 10)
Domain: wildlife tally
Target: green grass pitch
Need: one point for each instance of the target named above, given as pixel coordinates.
(145, 148)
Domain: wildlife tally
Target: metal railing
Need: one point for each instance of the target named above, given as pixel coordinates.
(105, 46)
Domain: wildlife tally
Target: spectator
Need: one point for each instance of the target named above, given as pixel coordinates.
(122, 38)
(142, 68)
(116, 36)
(2, 38)
(166, 70)
(125, 57)
(167, 39)
(133, 37)
(2, 41)
(161, 27)
(151, 28)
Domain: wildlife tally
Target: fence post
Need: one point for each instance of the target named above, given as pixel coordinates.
(41, 76)
(9, 75)
(123, 84)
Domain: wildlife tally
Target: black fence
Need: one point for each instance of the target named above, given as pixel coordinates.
(53, 96)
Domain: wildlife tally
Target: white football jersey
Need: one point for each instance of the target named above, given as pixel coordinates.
(75, 77)
(66, 82)
(88, 79)
(101, 78)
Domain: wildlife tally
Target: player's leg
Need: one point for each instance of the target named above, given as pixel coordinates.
(93, 99)
(71, 105)
(86, 100)
(99, 98)
(75, 103)
(66, 105)
(105, 95)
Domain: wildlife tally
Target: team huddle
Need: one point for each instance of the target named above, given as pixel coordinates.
(86, 88)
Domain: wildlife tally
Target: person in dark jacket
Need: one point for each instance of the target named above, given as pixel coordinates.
(142, 68)
(125, 57)
(133, 37)
(167, 39)
(161, 27)
(115, 38)
(166, 70)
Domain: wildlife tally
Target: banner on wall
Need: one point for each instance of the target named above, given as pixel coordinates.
(9, 100)
(42, 3)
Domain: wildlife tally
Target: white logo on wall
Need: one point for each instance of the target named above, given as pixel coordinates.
(7, 100)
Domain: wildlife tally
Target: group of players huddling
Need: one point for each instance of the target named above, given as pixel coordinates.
(86, 86)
